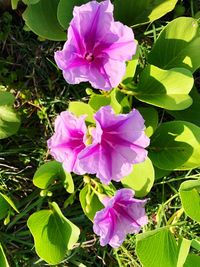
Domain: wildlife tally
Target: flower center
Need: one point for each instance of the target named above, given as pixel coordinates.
(89, 57)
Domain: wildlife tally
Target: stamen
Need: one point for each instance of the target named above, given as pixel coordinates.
(89, 57)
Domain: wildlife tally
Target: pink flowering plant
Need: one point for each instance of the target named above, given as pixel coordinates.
(126, 117)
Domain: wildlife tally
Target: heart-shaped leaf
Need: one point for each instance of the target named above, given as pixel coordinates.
(133, 12)
(53, 234)
(167, 89)
(178, 45)
(41, 18)
(157, 248)
(175, 145)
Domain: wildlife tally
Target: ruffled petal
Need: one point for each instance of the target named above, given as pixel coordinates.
(67, 141)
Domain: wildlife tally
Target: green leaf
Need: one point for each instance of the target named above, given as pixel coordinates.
(53, 234)
(117, 100)
(3, 260)
(190, 198)
(65, 11)
(9, 121)
(175, 145)
(167, 89)
(196, 244)
(159, 173)
(41, 18)
(6, 98)
(157, 248)
(79, 108)
(191, 114)
(90, 203)
(133, 12)
(30, 2)
(132, 64)
(9, 201)
(141, 179)
(47, 173)
(184, 248)
(150, 115)
(14, 4)
(178, 45)
(68, 183)
(97, 101)
(192, 261)
(4, 207)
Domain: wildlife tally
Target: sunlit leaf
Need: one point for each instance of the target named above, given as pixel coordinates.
(53, 234)
(157, 248)
(178, 45)
(190, 198)
(89, 202)
(3, 260)
(133, 12)
(141, 179)
(80, 108)
(167, 89)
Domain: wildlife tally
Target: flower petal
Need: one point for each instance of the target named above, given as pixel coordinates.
(67, 141)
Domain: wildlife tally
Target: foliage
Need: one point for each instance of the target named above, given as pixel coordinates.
(161, 81)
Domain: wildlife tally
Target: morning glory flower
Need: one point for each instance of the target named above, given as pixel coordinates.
(122, 215)
(118, 142)
(68, 141)
(97, 47)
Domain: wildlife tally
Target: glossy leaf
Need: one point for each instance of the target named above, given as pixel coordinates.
(79, 108)
(97, 101)
(141, 179)
(167, 89)
(178, 45)
(117, 100)
(47, 173)
(191, 114)
(65, 10)
(90, 203)
(3, 260)
(150, 115)
(157, 248)
(190, 198)
(53, 234)
(133, 12)
(175, 145)
(41, 18)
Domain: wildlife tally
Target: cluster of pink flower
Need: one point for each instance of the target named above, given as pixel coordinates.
(96, 51)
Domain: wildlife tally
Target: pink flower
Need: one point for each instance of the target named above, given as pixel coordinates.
(122, 215)
(68, 141)
(118, 143)
(97, 47)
